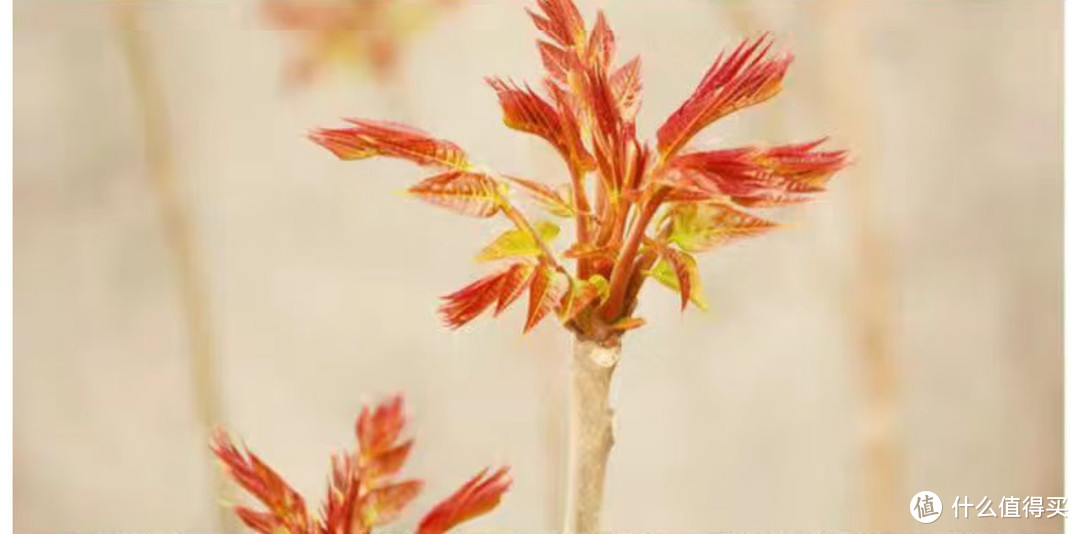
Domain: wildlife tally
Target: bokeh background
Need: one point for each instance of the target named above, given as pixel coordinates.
(904, 334)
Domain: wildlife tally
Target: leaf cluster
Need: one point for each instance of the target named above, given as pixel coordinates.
(364, 489)
(638, 210)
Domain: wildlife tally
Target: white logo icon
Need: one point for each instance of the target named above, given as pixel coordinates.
(925, 507)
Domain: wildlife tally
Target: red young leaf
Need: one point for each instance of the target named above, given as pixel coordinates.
(686, 191)
(570, 112)
(263, 522)
(361, 494)
(377, 434)
(355, 500)
(746, 77)
(799, 164)
(286, 508)
(378, 430)
(469, 302)
(513, 285)
(378, 138)
(467, 193)
(758, 177)
(384, 504)
(340, 513)
(601, 47)
(365, 34)
(288, 16)
(548, 198)
(561, 21)
(545, 291)
(556, 60)
(343, 469)
(477, 497)
(686, 272)
(389, 462)
(626, 86)
(613, 136)
(607, 116)
(771, 199)
(728, 172)
(526, 111)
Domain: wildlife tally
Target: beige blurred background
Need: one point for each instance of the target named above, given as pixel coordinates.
(934, 267)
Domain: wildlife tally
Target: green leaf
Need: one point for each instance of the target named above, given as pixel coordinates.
(667, 270)
(582, 294)
(627, 324)
(697, 227)
(518, 243)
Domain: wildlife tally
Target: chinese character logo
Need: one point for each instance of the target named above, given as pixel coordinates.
(925, 507)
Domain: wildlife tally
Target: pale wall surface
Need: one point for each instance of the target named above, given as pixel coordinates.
(323, 280)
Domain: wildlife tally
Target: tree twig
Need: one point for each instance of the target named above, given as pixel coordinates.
(846, 94)
(177, 228)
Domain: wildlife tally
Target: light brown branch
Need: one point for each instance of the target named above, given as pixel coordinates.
(177, 228)
(846, 95)
(590, 436)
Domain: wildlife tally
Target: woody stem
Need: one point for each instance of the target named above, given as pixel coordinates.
(590, 436)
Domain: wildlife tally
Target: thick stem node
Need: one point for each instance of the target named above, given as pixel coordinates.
(590, 436)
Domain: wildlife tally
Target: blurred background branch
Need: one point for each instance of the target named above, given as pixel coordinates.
(847, 93)
(178, 230)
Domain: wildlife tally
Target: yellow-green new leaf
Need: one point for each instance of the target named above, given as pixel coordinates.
(678, 271)
(697, 227)
(519, 243)
(627, 324)
(581, 294)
